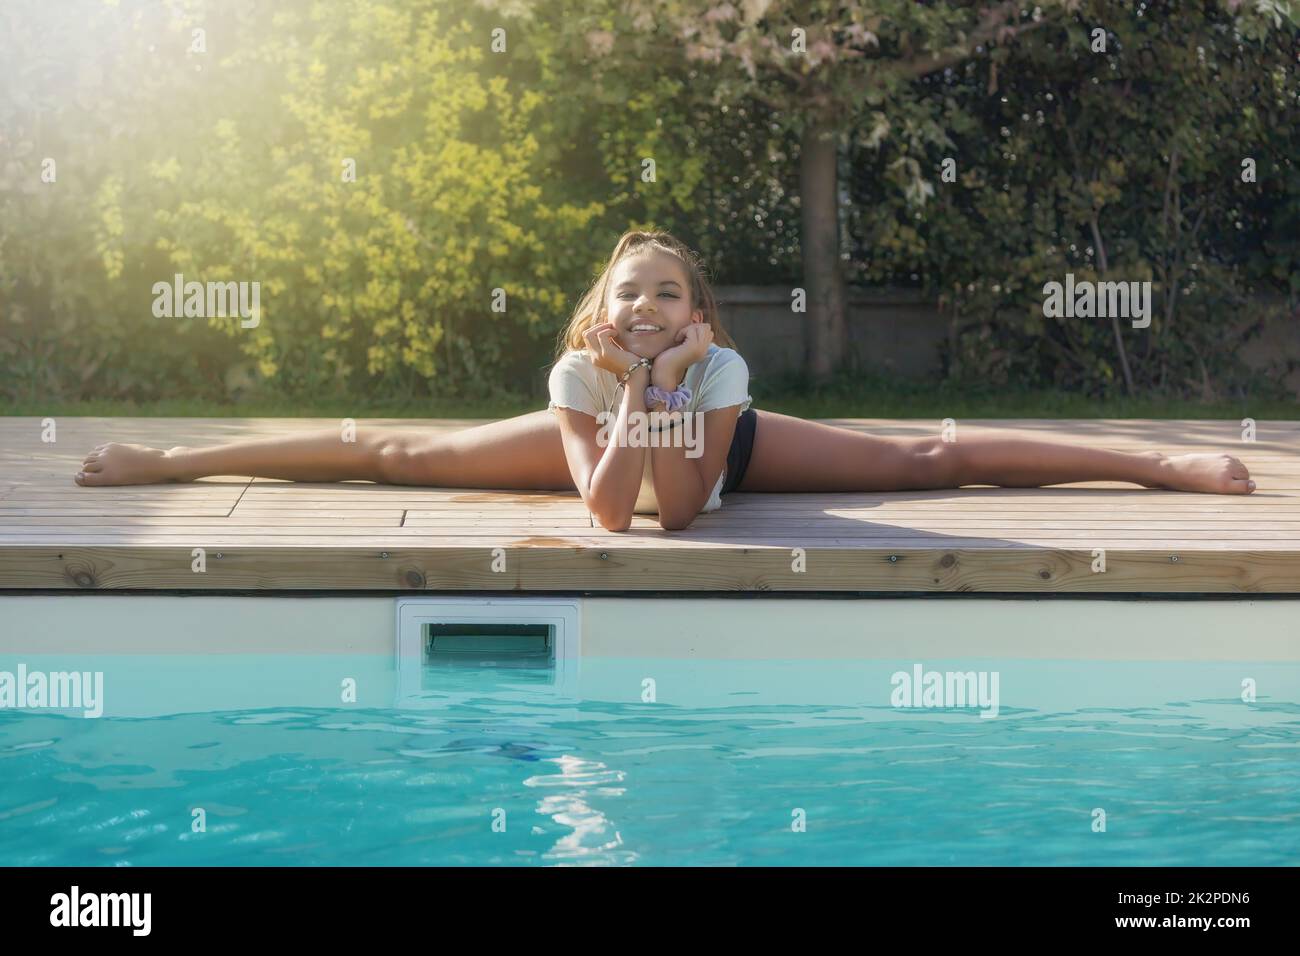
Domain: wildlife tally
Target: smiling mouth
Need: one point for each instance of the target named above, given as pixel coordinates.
(645, 329)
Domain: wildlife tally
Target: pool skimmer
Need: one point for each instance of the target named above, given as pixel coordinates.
(505, 632)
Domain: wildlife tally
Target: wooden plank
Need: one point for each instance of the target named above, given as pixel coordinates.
(1173, 507)
(1285, 485)
(254, 527)
(136, 511)
(384, 504)
(250, 532)
(278, 534)
(637, 569)
(655, 538)
(652, 537)
(100, 496)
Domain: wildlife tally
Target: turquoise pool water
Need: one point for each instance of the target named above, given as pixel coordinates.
(652, 762)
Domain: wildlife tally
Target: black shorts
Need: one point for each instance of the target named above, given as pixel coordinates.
(742, 446)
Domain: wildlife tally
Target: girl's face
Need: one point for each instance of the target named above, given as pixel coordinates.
(649, 302)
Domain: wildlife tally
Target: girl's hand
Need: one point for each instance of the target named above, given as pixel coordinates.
(671, 364)
(606, 352)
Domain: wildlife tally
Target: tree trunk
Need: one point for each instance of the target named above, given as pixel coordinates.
(823, 278)
(1102, 269)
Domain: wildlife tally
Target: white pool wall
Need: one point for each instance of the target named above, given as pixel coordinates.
(683, 628)
(184, 654)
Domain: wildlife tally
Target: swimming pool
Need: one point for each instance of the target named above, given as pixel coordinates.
(259, 759)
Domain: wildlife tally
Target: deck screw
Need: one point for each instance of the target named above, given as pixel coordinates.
(1173, 557)
(220, 555)
(893, 558)
(604, 556)
(383, 554)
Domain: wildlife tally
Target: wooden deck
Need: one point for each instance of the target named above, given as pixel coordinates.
(263, 534)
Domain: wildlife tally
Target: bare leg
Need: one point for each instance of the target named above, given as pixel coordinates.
(525, 452)
(521, 453)
(792, 454)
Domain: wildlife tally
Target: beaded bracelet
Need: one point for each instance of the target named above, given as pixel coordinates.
(633, 367)
(622, 382)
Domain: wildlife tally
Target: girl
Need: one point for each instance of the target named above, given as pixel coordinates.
(646, 338)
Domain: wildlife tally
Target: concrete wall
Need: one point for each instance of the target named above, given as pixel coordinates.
(892, 330)
(899, 331)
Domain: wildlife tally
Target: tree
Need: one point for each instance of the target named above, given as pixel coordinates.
(821, 65)
(818, 66)
(1124, 164)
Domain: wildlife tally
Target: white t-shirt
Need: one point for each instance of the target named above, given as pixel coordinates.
(718, 380)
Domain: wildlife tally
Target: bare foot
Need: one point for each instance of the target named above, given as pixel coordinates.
(117, 464)
(1215, 474)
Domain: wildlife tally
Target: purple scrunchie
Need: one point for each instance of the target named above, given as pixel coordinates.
(674, 400)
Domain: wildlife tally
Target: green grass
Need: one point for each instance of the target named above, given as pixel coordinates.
(844, 398)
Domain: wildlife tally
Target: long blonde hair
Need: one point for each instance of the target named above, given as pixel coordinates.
(633, 242)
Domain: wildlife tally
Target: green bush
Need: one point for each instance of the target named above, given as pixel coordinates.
(1144, 143)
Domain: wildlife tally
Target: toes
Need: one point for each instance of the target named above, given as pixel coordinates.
(93, 468)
